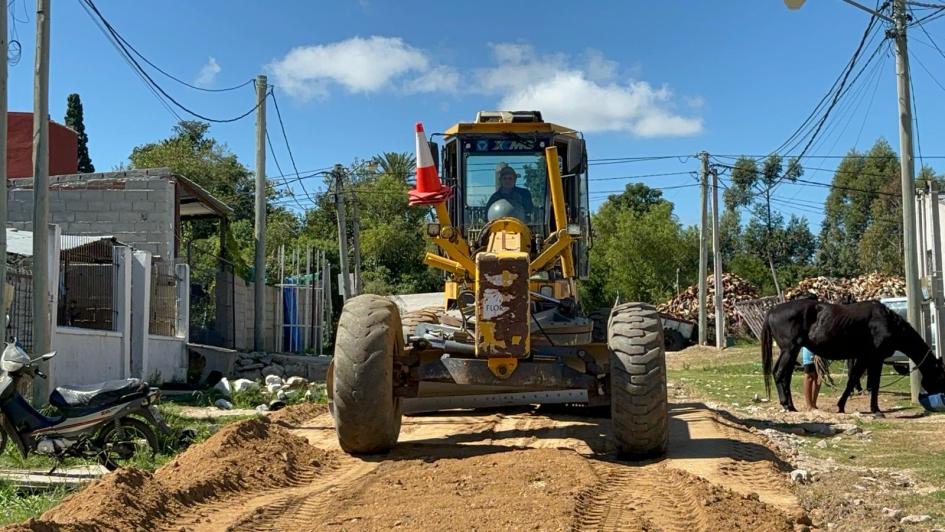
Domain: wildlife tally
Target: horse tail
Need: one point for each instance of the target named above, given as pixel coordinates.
(766, 355)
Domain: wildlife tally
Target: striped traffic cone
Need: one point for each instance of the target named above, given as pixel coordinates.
(428, 190)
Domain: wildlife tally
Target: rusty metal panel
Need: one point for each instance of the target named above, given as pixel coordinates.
(502, 309)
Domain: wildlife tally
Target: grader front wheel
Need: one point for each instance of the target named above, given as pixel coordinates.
(639, 406)
(367, 414)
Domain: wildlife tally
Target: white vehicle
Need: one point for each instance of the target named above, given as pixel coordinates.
(898, 360)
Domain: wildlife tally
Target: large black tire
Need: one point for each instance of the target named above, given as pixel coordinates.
(410, 320)
(133, 435)
(367, 414)
(638, 401)
(599, 317)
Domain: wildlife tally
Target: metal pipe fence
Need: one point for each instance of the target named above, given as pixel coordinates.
(87, 273)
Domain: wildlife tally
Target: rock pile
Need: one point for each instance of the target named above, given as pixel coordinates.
(837, 290)
(254, 366)
(686, 304)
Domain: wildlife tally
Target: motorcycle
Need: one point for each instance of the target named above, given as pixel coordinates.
(111, 422)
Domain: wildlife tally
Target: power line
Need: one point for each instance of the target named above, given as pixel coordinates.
(119, 42)
(281, 174)
(288, 146)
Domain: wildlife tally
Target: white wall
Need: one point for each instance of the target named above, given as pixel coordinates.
(86, 356)
(167, 359)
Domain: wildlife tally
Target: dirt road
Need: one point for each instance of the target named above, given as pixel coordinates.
(527, 469)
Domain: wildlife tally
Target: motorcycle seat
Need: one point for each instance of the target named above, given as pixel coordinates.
(96, 395)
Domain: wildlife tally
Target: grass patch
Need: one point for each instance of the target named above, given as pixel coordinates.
(16, 506)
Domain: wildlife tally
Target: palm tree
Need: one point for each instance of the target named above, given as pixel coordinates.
(399, 164)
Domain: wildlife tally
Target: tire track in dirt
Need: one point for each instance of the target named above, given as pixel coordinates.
(637, 499)
(728, 454)
(669, 495)
(263, 507)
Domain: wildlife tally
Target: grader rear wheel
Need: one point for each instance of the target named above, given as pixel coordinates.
(638, 401)
(367, 414)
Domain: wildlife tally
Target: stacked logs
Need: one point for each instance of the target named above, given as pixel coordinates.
(863, 288)
(686, 304)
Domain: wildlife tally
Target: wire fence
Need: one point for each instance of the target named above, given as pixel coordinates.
(164, 300)
(87, 273)
(20, 325)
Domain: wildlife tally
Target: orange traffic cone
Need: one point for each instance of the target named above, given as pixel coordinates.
(428, 190)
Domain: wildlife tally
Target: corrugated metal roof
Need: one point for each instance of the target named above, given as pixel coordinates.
(20, 242)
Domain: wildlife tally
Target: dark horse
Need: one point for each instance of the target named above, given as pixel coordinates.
(867, 332)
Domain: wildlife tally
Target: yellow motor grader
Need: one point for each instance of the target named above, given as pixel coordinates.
(512, 228)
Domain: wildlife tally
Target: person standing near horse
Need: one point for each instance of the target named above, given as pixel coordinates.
(868, 332)
(811, 378)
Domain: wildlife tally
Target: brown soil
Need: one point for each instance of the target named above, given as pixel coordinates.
(538, 469)
(248, 456)
(295, 414)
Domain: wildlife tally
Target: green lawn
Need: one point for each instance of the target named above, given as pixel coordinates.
(905, 440)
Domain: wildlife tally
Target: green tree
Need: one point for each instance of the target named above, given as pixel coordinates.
(849, 210)
(192, 153)
(753, 188)
(75, 120)
(638, 246)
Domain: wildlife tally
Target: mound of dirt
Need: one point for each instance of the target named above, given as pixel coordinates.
(300, 413)
(247, 456)
(253, 454)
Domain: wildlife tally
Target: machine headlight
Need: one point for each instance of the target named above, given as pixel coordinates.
(574, 229)
(433, 230)
(547, 291)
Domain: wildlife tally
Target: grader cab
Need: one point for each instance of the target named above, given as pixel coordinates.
(511, 224)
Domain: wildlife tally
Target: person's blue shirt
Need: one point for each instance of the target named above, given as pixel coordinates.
(806, 356)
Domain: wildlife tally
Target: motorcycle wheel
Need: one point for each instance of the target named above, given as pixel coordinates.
(131, 439)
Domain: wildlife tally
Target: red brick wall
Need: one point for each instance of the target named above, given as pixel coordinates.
(63, 147)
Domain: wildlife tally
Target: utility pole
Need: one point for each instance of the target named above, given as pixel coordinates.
(260, 228)
(41, 318)
(907, 170)
(717, 266)
(3, 167)
(356, 240)
(703, 247)
(338, 173)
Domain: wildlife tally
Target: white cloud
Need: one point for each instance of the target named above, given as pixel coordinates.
(437, 79)
(208, 73)
(587, 96)
(360, 65)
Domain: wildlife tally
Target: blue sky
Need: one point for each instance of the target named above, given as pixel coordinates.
(640, 78)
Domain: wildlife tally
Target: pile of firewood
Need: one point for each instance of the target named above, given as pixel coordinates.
(686, 304)
(837, 290)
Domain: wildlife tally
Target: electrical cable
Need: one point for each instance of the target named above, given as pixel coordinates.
(288, 146)
(118, 41)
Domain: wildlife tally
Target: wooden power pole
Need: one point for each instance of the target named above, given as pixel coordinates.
(717, 266)
(703, 246)
(41, 317)
(259, 317)
(3, 167)
(338, 173)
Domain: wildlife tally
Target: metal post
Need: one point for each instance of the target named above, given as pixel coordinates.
(356, 240)
(338, 174)
(936, 287)
(311, 298)
(41, 265)
(280, 310)
(703, 247)
(3, 167)
(907, 169)
(717, 266)
(260, 228)
(329, 311)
